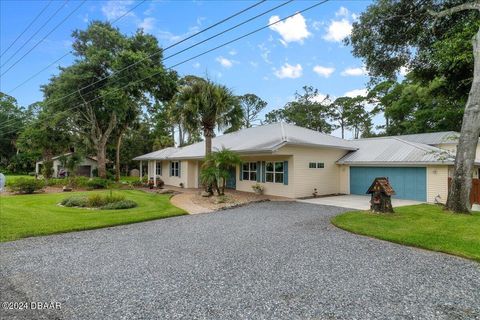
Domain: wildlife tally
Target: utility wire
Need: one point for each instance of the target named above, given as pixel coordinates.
(70, 52)
(38, 30)
(203, 53)
(28, 27)
(49, 33)
(169, 47)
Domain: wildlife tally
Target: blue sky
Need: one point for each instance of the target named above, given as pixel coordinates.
(273, 63)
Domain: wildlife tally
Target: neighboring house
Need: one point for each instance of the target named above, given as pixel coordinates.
(294, 162)
(85, 167)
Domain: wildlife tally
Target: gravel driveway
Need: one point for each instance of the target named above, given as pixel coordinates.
(272, 260)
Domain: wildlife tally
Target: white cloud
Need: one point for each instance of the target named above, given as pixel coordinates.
(322, 98)
(403, 71)
(289, 71)
(293, 29)
(167, 35)
(226, 63)
(323, 71)
(232, 52)
(114, 9)
(253, 64)
(356, 92)
(354, 72)
(338, 30)
(264, 53)
(342, 12)
(196, 65)
(147, 24)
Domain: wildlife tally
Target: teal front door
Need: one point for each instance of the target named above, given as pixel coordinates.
(231, 180)
(408, 182)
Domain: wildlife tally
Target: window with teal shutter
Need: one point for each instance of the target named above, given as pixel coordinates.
(285, 170)
(241, 172)
(263, 171)
(258, 171)
(179, 169)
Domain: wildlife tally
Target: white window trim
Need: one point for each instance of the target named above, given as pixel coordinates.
(250, 171)
(274, 172)
(175, 172)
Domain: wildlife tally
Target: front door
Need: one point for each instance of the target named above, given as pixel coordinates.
(231, 180)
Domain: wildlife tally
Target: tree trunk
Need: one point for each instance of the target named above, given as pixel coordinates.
(208, 133)
(102, 161)
(117, 157)
(459, 194)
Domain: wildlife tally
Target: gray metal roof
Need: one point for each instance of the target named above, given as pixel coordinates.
(261, 139)
(432, 138)
(157, 155)
(393, 150)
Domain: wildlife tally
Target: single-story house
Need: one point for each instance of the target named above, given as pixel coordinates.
(85, 168)
(295, 162)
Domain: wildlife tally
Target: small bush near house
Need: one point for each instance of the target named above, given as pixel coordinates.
(97, 183)
(124, 204)
(26, 185)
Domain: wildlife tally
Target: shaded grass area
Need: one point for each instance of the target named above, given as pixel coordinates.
(34, 215)
(424, 226)
(12, 178)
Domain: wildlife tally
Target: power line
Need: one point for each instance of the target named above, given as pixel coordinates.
(169, 47)
(28, 27)
(70, 52)
(164, 49)
(33, 35)
(39, 42)
(205, 52)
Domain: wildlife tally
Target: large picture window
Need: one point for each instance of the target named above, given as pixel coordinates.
(174, 169)
(274, 172)
(249, 171)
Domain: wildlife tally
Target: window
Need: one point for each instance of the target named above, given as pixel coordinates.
(174, 169)
(249, 171)
(274, 172)
(158, 169)
(314, 165)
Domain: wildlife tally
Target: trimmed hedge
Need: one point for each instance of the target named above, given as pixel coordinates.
(124, 204)
(26, 185)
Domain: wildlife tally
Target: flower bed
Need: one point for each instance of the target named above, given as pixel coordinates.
(99, 201)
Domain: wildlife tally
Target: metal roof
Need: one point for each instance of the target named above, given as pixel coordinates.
(393, 150)
(431, 138)
(261, 139)
(156, 155)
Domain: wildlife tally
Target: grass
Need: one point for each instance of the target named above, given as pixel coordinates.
(35, 215)
(424, 226)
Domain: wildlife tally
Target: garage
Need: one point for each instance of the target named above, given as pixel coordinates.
(84, 171)
(408, 182)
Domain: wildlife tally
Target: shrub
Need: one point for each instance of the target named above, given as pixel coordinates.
(26, 185)
(98, 200)
(74, 201)
(77, 182)
(97, 183)
(124, 204)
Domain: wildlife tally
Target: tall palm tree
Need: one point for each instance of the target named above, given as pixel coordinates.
(209, 105)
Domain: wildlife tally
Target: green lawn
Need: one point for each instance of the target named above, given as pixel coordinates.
(424, 226)
(34, 215)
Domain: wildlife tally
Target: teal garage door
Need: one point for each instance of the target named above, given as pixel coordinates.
(409, 183)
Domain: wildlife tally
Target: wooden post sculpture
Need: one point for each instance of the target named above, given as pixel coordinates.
(381, 192)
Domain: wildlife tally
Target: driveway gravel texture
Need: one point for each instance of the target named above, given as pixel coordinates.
(271, 260)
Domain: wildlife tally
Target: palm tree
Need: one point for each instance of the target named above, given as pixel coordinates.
(209, 105)
(216, 168)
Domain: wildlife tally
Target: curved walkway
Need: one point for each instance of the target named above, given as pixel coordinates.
(270, 260)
